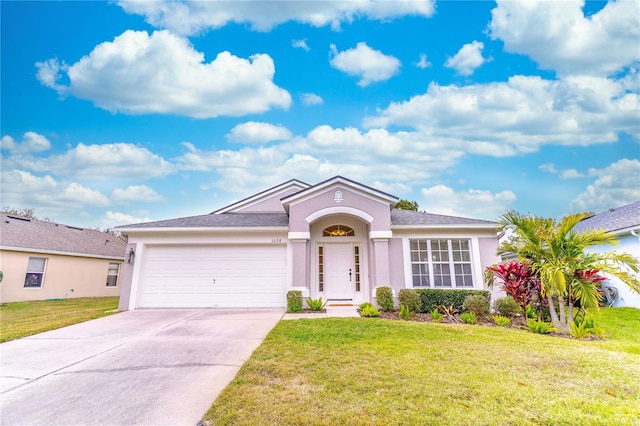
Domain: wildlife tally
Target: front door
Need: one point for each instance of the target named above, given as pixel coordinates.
(339, 272)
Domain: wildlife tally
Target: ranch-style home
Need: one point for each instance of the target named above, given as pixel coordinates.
(46, 260)
(338, 239)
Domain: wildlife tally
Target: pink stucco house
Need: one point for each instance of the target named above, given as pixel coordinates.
(338, 239)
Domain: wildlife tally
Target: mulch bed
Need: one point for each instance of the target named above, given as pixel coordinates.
(516, 322)
(425, 317)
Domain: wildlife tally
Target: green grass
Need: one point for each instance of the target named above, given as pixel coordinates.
(21, 319)
(364, 371)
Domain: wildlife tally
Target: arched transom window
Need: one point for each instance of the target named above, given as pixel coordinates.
(338, 231)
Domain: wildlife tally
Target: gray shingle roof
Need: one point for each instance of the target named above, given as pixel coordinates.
(613, 219)
(407, 217)
(39, 235)
(223, 220)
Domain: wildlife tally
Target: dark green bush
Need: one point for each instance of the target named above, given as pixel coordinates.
(506, 306)
(409, 298)
(294, 301)
(384, 298)
(478, 304)
(430, 298)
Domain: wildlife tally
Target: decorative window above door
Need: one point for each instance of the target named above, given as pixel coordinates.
(338, 231)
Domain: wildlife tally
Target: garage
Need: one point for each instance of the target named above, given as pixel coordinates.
(224, 276)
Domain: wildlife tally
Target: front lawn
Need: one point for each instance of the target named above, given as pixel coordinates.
(21, 319)
(361, 371)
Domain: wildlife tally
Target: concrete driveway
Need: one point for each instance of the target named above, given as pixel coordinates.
(151, 367)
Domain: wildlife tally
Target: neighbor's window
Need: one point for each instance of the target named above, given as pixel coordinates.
(35, 272)
(441, 263)
(338, 231)
(112, 274)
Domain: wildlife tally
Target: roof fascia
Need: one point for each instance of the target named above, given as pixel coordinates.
(174, 229)
(626, 230)
(480, 226)
(260, 196)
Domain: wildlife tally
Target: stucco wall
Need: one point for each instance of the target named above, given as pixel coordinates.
(86, 276)
(126, 278)
(299, 211)
(396, 264)
(488, 257)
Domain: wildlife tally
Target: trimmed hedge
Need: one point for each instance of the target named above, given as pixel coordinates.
(432, 298)
(384, 298)
(409, 298)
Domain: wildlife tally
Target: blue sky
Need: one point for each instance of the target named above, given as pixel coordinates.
(122, 112)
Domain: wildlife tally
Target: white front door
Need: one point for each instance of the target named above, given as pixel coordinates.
(339, 272)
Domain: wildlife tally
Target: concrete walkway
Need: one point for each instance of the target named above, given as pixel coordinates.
(143, 367)
(332, 312)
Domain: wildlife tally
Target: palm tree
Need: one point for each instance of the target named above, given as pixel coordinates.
(558, 254)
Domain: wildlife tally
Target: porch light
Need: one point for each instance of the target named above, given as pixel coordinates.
(131, 256)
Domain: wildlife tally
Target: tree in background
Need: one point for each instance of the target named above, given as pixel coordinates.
(403, 204)
(23, 212)
(558, 256)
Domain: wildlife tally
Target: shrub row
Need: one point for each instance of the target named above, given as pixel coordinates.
(430, 299)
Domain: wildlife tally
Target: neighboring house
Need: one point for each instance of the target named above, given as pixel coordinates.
(45, 260)
(338, 240)
(625, 223)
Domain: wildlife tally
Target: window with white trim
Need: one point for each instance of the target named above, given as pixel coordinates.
(112, 274)
(320, 268)
(441, 263)
(35, 272)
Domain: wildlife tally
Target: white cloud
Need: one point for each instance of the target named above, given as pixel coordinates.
(441, 199)
(135, 193)
(392, 188)
(31, 143)
(112, 219)
(468, 58)
(377, 155)
(563, 174)
(616, 185)
(301, 44)
(558, 36)
(571, 174)
(107, 161)
(311, 99)
(254, 132)
(548, 168)
(46, 195)
(163, 74)
(520, 115)
(193, 17)
(423, 63)
(368, 64)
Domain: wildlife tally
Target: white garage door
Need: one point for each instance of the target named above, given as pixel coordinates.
(225, 276)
